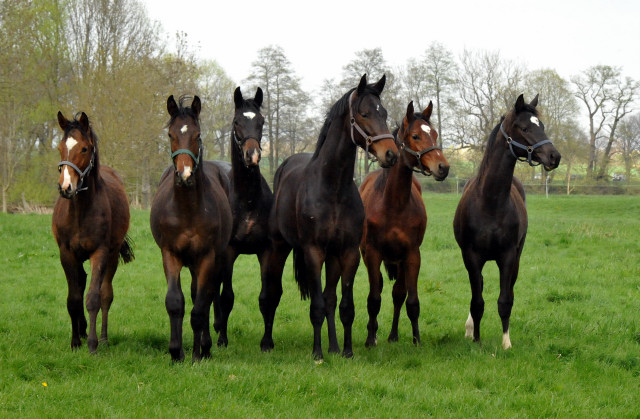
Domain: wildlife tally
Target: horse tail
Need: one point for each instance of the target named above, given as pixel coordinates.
(300, 272)
(126, 250)
(392, 270)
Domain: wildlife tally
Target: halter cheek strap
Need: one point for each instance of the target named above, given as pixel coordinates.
(529, 149)
(81, 173)
(418, 155)
(196, 159)
(368, 139)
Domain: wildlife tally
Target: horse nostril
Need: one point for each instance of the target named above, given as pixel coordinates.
(444, 169)
(391, 157)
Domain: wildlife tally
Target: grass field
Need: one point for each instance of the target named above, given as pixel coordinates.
(575, 330)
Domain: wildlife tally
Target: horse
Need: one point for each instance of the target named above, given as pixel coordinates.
(490, 222)
(90, 221)
(250, 199)
(317, 211)
(396, 219)
(191, 224)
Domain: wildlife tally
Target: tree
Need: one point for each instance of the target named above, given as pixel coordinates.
(629, 144)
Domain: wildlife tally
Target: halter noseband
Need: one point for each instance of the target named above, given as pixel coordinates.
(368, 139)
(82, 174)
(196, 159)
(418, 155)
(529, 149)
(239, 142)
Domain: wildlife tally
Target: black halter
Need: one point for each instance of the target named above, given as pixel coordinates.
(369, 139)
(529, 148)
(418, 155)
(81, 173)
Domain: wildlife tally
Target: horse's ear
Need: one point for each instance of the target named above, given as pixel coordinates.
(427, 111)
(380, 84)
(84, 122)
(237, 97)
(519, 103)
(62, 121)
(534, 102)
(196, 105)
(258, 98)
(410, 112)
(172, 106)
(363, 84)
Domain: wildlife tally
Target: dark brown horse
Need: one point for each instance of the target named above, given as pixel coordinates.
(491, 219)
(191, 223)
(90, 221)
(250, 199)
(396, 219)
(318, 213)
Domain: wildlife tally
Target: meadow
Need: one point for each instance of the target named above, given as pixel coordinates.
(575, 330)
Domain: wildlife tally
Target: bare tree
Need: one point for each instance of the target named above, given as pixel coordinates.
(629, 145)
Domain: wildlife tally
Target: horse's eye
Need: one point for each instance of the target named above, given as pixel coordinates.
(84, 149)
(415, 137)
(365, 115)
(235, 122)
(59, 169)
(525, 129)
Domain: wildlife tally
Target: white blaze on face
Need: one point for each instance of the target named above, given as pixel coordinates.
(506, 342)
(184, 129)
(186, 172)
(66, 178)
(249, 115)
(535, 120)
(426, 128)
(70, 143)
(255, 157)
(469, 327)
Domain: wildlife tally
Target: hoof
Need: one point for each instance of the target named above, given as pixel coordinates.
(347, 353)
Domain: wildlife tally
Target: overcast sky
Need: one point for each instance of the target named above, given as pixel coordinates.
(321, 36)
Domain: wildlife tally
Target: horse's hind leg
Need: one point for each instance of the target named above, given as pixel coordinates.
(174, 302)
(372, 260)
(399, 294)
(410, 272)
(508, 266)
(350, 262)
(106, 296)
(227, 298)
(76, 283)
(332, 269)
(474, 265)
(313, 260)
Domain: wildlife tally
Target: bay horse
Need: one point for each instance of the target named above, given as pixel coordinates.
(250, 199)
(490, 222)
(396, 219)
(191, 223)
(318, 213)
(90, 221)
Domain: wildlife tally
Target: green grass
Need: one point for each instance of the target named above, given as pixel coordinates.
(575, 331)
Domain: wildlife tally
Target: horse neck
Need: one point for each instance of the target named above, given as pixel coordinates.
(337, 156)
(496, 172)
(397, 189)
(84, 199)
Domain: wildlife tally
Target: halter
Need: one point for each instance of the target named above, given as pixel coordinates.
(80, 173)
(418, 155)
(369, 139)
(529, 148)
(239, 142)
(196, 160)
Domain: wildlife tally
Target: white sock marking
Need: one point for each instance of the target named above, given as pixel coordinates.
(506, 342)
(426, 128)
(535, 120)
(249, 115)
(469, 327)
(184, 129)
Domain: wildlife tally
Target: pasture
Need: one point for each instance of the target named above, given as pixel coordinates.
(575, 329)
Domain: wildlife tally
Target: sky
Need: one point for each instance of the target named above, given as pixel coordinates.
(320, 37)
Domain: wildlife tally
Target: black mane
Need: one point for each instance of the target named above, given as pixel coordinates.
(184, 111)
(338, 110)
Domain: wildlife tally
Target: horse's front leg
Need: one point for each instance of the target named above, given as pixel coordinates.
(474, 264)
(207, 279)
(372, 260)
(174, 302)
(508, 265)
(76, 283)
(332, 269)
(99, 267)
(272, 262)
(350, 261)
(224, 267)
(399, 294)
(313, 259)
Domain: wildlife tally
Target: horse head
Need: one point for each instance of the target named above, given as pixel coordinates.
(78, 151)
(184, 135)
(247, 127)
(525, 136)
(369, 118)
(418, 138)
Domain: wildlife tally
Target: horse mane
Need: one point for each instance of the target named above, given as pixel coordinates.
(75, 124)
(184, 111)
(337, 110)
